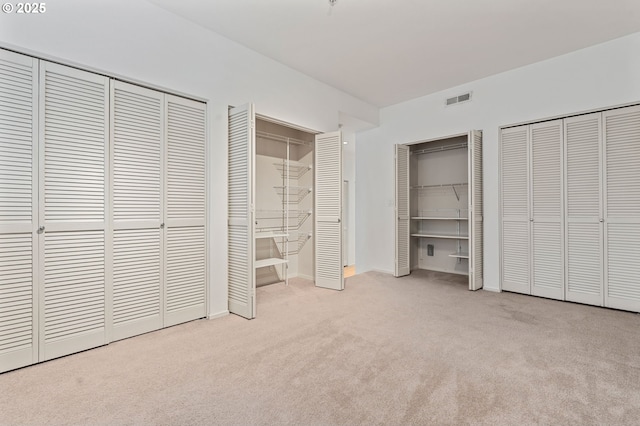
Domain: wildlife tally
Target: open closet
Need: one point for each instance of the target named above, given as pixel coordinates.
(284, 203)
(439, 206)
(285, 207)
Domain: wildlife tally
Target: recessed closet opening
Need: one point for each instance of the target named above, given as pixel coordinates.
(439, 206)
(285, 207)
(284, 203)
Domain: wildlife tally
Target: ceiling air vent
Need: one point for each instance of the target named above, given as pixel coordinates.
(459, 99)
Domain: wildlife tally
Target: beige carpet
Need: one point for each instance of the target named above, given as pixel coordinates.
(415, 350)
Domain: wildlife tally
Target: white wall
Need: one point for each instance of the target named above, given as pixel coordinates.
(596, 77)
(349, 174)
(139, 41)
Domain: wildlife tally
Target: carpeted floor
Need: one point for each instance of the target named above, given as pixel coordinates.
(415, 350)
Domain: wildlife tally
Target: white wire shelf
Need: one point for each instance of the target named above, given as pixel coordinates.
(436, 235)
(295, 242)
(296, 169)
(295, 193)
(280, 138)
(260, 235)
(460, 255)
(438, 218)
(275, 220)
(439, 185)
(272, 261)
(449, 147)
(442, 186)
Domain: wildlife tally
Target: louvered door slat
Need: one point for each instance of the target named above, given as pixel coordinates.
(547, 229)
(514, 166)
(185, 272)
(185, 211)
(18, 210)
(328, 211)
(622, 208)
(476, 231)
(137, 121)
(584, 239)
(403, 230)
(74, 129)
(241, 247)
(74, 292)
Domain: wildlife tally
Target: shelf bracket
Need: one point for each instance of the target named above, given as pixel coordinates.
(455, 192)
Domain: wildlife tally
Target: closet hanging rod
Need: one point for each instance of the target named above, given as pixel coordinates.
(439, 185)
(441, 148)
(280, 138)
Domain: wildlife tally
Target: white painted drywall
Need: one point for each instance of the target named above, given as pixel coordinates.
(349, 174)
(600, 76)
(139, 41)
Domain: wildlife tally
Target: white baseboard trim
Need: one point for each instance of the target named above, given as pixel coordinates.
(383, 271)
(218, 315)
(492, 289)
(305, 277)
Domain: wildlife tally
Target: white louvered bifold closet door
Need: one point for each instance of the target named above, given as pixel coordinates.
(137, 120)
(241, 248)
(328, 211)
(18, 210)
(547, 236)
(622, 208)
(514, 166)
(584, 212)
(185, 211)
(74, 111)
(403, 219)
(476, 258)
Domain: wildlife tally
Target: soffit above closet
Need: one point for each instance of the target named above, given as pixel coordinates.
(386, 52)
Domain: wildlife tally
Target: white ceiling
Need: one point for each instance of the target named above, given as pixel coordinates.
(389, 51)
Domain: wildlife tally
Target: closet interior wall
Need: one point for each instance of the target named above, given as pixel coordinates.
(284, 203)
(439, 205)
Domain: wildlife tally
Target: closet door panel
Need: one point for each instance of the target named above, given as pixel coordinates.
(241, 248)
(18, 210)
(328, 204)
(476, 253)
(514, 166)
(584, 233)
(185, 214)
(402, 264)
(622, 208)
(74, 124)
(547, 211)
(137, 122)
